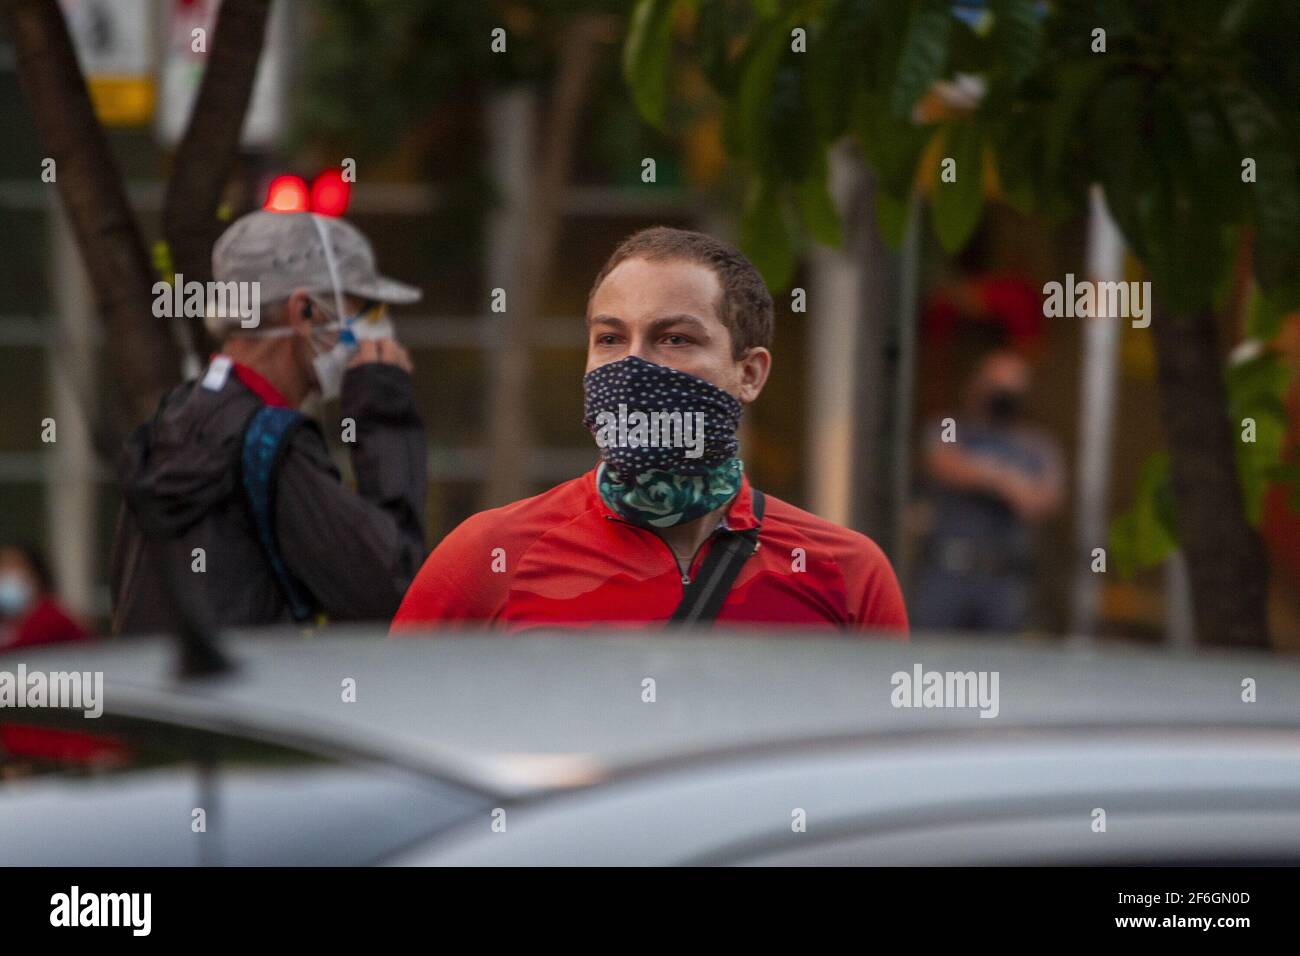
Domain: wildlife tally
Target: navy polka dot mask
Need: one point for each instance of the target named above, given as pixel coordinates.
(647, 417)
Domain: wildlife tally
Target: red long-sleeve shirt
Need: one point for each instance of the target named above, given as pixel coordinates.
(45, 623)
(564, 558)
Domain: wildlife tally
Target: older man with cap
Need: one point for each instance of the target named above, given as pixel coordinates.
(233, 508)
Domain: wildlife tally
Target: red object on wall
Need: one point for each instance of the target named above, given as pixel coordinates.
(1005, 301)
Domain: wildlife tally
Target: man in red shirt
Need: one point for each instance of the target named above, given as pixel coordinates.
(679, 330)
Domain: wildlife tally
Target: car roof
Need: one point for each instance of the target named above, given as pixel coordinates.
(515, 715)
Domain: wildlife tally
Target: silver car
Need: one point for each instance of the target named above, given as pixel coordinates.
(346, 748)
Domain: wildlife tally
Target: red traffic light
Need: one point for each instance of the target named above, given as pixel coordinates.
(286, 194)
(330, 193)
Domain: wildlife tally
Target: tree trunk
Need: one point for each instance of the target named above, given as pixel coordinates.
(509, 432)
(1225, 557)
(207, 153)
(141, 348)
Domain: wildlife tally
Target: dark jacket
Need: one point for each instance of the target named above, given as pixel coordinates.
(354, 552)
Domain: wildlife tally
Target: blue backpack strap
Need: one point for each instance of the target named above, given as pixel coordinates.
(266, 436)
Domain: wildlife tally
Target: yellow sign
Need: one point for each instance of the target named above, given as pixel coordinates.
(114, 44)
(123, 100)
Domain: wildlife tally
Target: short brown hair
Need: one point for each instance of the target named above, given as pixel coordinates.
(745, 307)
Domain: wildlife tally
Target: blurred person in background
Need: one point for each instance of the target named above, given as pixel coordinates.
(29, 612)
(679, 324)
(230, 466)
(992, 478)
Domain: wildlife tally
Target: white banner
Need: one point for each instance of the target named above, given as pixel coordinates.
(188, 34)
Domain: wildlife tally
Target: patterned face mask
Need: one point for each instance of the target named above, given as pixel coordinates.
(668, 440)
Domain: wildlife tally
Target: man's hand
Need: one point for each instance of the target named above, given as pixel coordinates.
(384, 351)
(1032, 499)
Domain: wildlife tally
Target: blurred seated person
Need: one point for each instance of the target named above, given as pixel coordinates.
(29, 612)
(992, 477)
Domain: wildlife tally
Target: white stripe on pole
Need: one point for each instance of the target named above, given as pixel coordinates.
(835, 314)
(1105, 263)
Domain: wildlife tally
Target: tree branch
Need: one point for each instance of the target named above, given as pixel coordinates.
(1225, 557)
(142, 351)
(208, 151)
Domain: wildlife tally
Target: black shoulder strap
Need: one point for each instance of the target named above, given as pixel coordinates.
(704, 596)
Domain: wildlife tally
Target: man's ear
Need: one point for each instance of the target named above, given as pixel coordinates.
(300, 311)
(754, 369)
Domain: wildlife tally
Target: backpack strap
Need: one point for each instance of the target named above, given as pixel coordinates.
(266, 436)
(704, 596)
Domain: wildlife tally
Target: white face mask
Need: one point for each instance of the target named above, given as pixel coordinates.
(331, 364)
(16, 594)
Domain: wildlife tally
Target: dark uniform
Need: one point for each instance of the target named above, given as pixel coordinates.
(977, 561)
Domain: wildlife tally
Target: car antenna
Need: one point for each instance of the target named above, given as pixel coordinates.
(200, 653)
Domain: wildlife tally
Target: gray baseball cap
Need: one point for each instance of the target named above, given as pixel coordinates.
(282, 251)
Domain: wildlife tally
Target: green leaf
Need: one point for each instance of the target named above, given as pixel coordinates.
(1123, 546)
(1267, 312)
(1236, 14)
(817, 209)
(1018, 32)
(795, 149)
(713, 41)
(1076, 84)
(1257, 391)
(844, 47)
(891, 218)
(1211, 152)
(892, 146)
(1017, 153)
(1126, 166)
(1256, 464)
(1184, 221)
(1288, 474)
(765, 235)
(1276, 191)
(754, 98)
(161, 255)
(646, 54)
(925, 47)
(957, 205)
(1145, 535)
(1257, 387)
